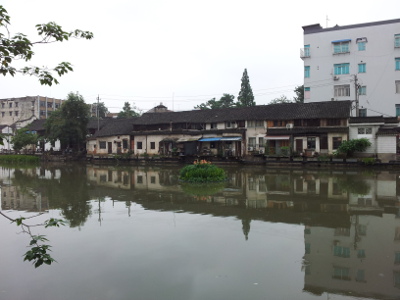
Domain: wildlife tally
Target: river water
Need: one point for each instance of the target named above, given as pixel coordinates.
(138, 233)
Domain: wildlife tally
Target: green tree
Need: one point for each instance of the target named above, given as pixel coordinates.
(23, 138)
(299, 91)
(226, 101)
(19, 47)
(128, 111)
(69, 123)
(246, 97)
(101, 109)
(280, 100)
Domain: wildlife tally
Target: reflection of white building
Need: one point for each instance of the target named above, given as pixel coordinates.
(362, 259)
(110, 177)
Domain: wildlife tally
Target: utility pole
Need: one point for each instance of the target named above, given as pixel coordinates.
(356, 87)
(98, 113)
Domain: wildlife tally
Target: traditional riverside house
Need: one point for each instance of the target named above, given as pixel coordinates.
(113, 138)
(381, 132)
(307, 128)
(198, 132)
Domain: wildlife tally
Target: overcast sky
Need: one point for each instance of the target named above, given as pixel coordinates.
(178, 52)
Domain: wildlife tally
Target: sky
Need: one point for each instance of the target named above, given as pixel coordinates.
(180, 53)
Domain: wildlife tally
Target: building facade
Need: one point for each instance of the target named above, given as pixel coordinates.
(22, 111)
(358, 62)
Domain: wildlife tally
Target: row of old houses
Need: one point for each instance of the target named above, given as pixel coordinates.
(306, 129)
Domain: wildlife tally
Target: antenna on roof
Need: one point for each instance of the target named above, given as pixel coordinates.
(327, 19)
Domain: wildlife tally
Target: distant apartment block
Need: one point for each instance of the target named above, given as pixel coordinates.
(358, 62)
(23, 110)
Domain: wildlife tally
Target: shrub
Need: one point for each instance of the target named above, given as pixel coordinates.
(357, 145)
(202, 171)
(368, 161)
(19, 159)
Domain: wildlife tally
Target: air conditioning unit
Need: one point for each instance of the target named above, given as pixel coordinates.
(261, 151)
(250, 148)
(289, 126)
(336, 78)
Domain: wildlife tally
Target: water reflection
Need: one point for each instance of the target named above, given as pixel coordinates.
(351, 219)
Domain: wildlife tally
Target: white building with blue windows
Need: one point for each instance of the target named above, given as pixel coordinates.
(358, 62)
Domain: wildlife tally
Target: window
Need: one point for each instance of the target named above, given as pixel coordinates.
(336, 141)
(261, 142)
(10, 113)
(311, 143)
(307, 93)
(252, 142)
(228, 124)
(333, 122)
(361, 253)
(341, 47)
(16, 113)
(2, 105)
(125, 144)
(57, 105)
(340, 69)
(342, 90)
(16, 104)
(362, 90)
(49, 104)
(397, 110)
(397, 83)
(10, 104)
(361, 46)
(360, 276)
(42, 104)
(341, 251)
(341, 273)
(307, 72)
(102, 145)
(43, 113)
(279, 123)
(397, 60)
(139, 145)
(363, 130)
(397, 40)
(362, 112)
(152, 145)
(362, 68)
(306, 51)
(2, 114)
(397, 258)
(214, 126)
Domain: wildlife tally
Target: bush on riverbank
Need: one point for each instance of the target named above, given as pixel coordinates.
(19, 159)
(202, 171)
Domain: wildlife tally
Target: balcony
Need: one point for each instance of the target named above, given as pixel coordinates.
(304, 52)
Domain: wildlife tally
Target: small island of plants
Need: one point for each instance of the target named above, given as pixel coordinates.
(202, 171)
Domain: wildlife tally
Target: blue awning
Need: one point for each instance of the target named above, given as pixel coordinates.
(341, 41)
(214, 139)
(231, 138)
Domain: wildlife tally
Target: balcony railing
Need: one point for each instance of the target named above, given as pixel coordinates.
(304, 52)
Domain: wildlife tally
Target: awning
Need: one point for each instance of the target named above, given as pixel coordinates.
(213, 139)
(277, 137)
(231, 138)
(341, 41)
(189, 139)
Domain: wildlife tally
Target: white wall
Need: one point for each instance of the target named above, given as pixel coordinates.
(379, 57)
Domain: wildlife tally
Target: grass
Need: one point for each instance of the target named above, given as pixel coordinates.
(19, 159)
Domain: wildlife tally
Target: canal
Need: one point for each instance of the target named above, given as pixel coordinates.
(137, 232)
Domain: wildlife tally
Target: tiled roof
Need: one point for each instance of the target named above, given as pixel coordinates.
(285, 111)
(37, 125)
(116, 127)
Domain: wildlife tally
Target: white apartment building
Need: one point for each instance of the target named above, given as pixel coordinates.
(358, 62)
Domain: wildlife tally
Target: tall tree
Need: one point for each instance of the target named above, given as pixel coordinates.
(69, 123)
(101, 109)
(246, 97)
(19, 47)
(128, 111)
(226, 101)
(299, 91)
